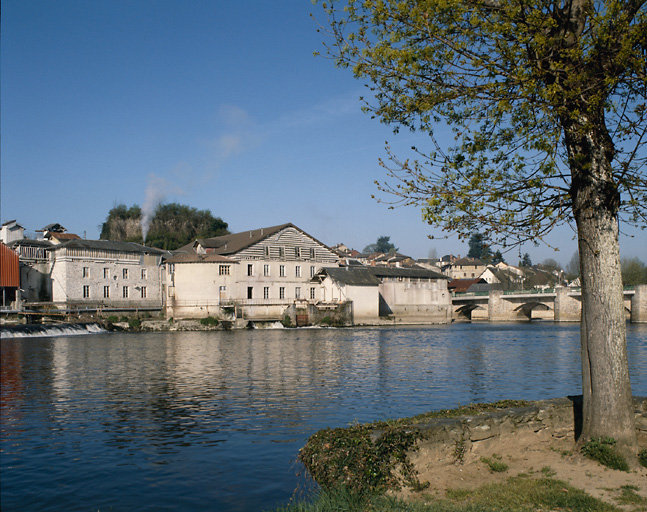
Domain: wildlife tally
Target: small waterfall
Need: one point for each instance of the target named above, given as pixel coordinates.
(40, 330)
(275, 324)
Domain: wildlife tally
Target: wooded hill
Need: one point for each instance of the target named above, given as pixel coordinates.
(172, 225)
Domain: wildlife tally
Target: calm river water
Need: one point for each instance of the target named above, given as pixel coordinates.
(213, 421)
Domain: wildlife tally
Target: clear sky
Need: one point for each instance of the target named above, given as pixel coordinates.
(220, 105)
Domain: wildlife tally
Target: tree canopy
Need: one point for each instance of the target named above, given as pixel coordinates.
(172, 225)
(383, 244)
(479, 248)
(546, 102)
(634, 271)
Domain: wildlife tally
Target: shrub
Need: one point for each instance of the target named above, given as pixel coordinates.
(326, 320)
(287, 321)
(112, 319)
(495, 464)
(642, 457)
(603, 450)
(209, 321)
(134, 323)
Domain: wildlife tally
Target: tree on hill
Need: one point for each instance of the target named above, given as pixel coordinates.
(497, 257)
(383, 244)
(546, 102)
(173, 225)
(525, 261)
(479, 248)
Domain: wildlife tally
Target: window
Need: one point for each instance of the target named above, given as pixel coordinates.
(297, 271)
(312, 253)
(106, 273)
(106, 292)
(267, 250)
(297, 292)
(143, 292)
(125, 273)
(144, 274)
(312, 271)
(124, 292)
(312, 293)
(282, 270)
(266, 270)
(266, 292)
(250, 292)
(86, 291)
(282, 292)
(86, 271)
(223, 270)
(297, 252)
(250, 269)
(281, 252)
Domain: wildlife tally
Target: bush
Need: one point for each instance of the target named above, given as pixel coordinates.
(209, 321)
(602, 449)
(495, 464)
(135, 323)
(642, 457)
(287, 321)
(112, 319)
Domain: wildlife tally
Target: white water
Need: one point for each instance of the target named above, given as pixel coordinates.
(35, 331)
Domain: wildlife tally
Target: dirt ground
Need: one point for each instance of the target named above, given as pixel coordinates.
(541, 453)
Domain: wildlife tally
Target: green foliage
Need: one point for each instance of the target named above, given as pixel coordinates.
(525, 261)
(642, 458)
(495, 463)
(479, 248)
(628, 496)
(172, 226)
(634, 271)
(134, 323)
(520, 86)
(209, 321)
(287, 321)
(112, 319)
(517, 494)
(383, 245)
(497, 257)
(362, 457)
(602, 450)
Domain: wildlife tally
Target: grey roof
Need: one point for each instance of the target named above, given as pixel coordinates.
(355, 276)
(54, 227)
(31, 242)
(109, 245)
(235, 242)
(469, 261)
(406, 272)
(199, 258)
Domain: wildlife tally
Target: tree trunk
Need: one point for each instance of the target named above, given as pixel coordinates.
(606, 390)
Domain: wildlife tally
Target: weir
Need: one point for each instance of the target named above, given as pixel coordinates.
(44, 330)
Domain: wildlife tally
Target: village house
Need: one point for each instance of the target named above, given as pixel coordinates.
(11, 231)
(465, 268)
(253, 275)
(97, 273)
(381, 294)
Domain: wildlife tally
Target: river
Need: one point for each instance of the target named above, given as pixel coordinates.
(214, 420)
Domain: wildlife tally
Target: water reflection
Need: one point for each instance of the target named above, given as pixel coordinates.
(214, 420)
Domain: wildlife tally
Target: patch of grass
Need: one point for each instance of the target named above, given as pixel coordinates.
(460, 448)
(514, 495)
(209, 321)
(603, 450)
(495, 463)
(548, 471)
(112, 319)
(642, 457)
(628, 496)
(134, 323)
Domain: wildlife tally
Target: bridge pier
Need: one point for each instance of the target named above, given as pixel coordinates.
(639, 304)
(567, 308)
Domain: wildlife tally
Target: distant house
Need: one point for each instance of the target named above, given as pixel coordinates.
(465, 268)
(35, 269)
(377, 292)
(254, 274)
(102, 272)
(11, 231)
(9, 276)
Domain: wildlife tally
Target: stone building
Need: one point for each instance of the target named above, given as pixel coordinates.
(254, 274)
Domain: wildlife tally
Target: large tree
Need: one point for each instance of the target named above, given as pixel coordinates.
(546, 103)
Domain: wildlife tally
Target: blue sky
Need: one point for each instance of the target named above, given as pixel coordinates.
(216, 104)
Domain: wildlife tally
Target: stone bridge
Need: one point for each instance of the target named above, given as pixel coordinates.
(561, 305)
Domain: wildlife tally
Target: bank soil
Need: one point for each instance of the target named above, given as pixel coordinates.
(547, 452)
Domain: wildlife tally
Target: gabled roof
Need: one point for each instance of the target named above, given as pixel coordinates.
(31, 243)
(351, 276)
(62, 236)
(109, 245)
(235, 242)
(463, 285)
(9, 222)
(199, 258)
(54, 227)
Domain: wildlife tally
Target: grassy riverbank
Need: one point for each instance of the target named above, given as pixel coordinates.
(513, 456)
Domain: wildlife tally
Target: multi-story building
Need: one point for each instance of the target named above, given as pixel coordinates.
(258, 273)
